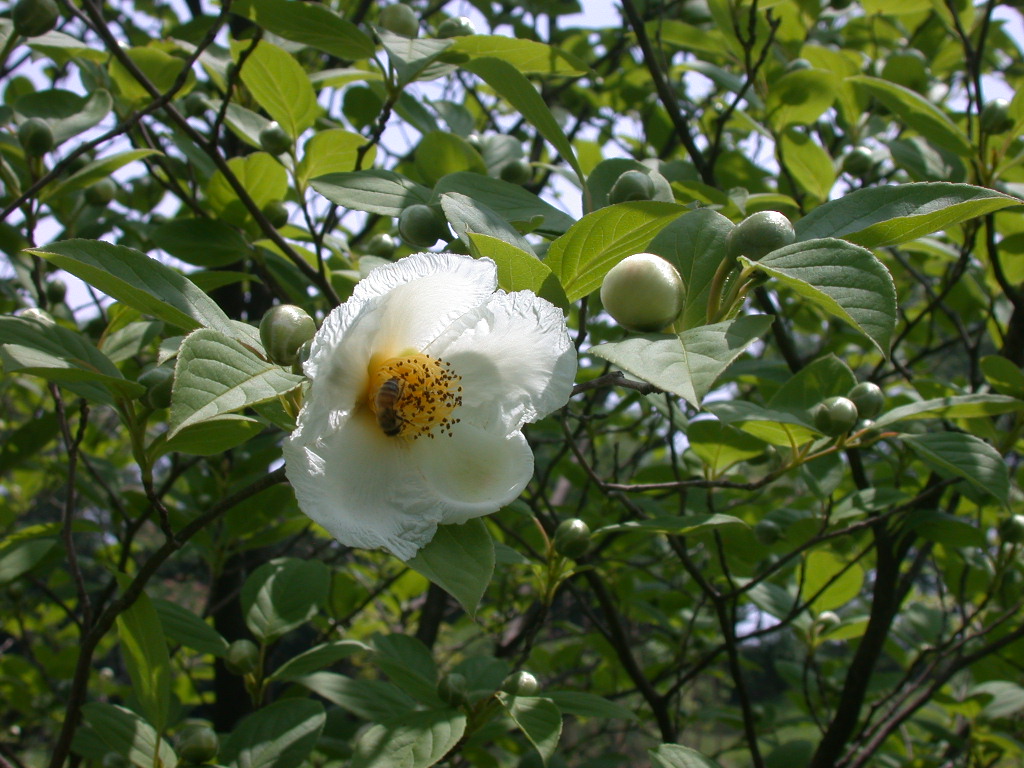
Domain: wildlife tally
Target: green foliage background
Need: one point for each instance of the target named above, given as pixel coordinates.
(754, 592)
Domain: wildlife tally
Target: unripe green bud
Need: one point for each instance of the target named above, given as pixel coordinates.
(521, 683)
(826, 622)
(283, 331)
(382, 244)
(101, 193)
(859, 161)
(516, 172)
(420, 227)
(908, 68)
(572, 538)
(301, 357)
(56, 290)
(196, 104)
(767, 532)
(276, 212)
(457, 26)
(1011, 529)
(198, 744)
(34, 17)
(242, 657)
(36, 137)
(452, 689)
(631, 185)
(36, 314)
(400, 19)
(275, 139)
(796, 65)
(835, 416)
(760, 234)
(995, 117)
(643, 292)
(159, 382)
(869, 399)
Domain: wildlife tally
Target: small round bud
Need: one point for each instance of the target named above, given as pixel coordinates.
(1011, 529)
(859, 161)
(196, 104)
(56, 290)
(400, 19)
(572, 538)
(521, 683)
(630, 186)
(457, 26)
(767, 532)
(835, 416)
(275, 139)
(420, 227)
(452, 689)
(301, 357)
(760, 234)
(276, 212)
(36, 314)
(36, 137)
(516, 172)
(869, 399)
(826, 622)
(796, 65)
(34, 17)
(382, 244)
(197, 744)
(995, 117)
(101, 193)
(159, 382)
(242, 657)
(643, 292)
(283, 331)
(907, 67)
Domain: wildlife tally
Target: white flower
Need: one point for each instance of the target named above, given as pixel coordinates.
(419, 388)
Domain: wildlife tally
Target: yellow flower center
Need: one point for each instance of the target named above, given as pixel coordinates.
(412, 394)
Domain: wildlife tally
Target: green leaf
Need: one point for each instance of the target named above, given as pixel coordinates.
(409, 664)
(215, 375)
(373, 700)
(159, 67)
(507, 81)
(527, 56)
(775, 600)
(771, 425)
(964, 456)
(144, 649)
(331, 151)
(127, 734)
(317, 658)
(95, 171)
(280, 85)
(956, 407)
(688, 37)
(695, 244)
(460, 560)
(841, 279)
(140, 282)
(946, 529)
(676, 756)
(467, 216)
(416, 740)
(827, 376)
(1004, 375)
(918, 113)
(517, 269)
(720, 446)
(837, 580)
(203, 242)
(583, 704)
(282, 594)
(809, 165)
(439, 154)
(879, 216)
(687, 365)
(261, 176)
(800, 98)
(19, 557)
(373, 191)
(314, 25)
(510, 201)
(280, 735)
(539, 720)
(213, 436)
(182, 626)
(676, 526)
(1007, 698)
(600, 240)
(21, 444)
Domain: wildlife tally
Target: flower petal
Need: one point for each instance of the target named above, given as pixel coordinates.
(515, 358)
(363, 487)
(474, 472)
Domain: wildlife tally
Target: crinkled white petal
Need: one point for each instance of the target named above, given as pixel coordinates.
(362, 486)
(473, 472)
(515, 358)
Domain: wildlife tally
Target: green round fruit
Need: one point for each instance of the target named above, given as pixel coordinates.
(283, 330)
(1011, 530)
(101, 193)
(643, 292)
(34, 17)
(835, 416)
(198, 744)
(36, 137)
(767, 532)
(796, 65)
(995, 117)
(453, 689)
(382, 244)
(301, 357)
(760, 234)
(826, 622)
(868, 398)
(159, 382)
(196, 104)
(242, 657)
(516, 172)
(400, 19)
(276, 212)
(275, 139)
(521, 683)
(457, 26)
(56, 290)
(420, 227)
(572, 538)
(859, 161)
(908, 68)
(630, 186)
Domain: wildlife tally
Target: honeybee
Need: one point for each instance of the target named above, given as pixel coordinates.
(384, 403)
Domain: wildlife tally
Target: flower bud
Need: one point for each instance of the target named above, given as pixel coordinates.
(516, 171)
(276, 212)
(1011, 530)
(34, 17)
(826, 622)
(197, 744)
(995, 117)
(56, 290)
(521, 683)
(242, 657)
(274, 139)
(36, 314)
(759, 234)
(420, 227)
(400, 19)
(456, 26)
(572, 538)
(452, 689)
(859, 161)
(36, 137)
(767, 532)
(159, 382)
(631, 185)
(101, 193)
(196, 104)
(643, 292)
(283, 330)
(835, 416)
(382, 244)
(869, 399)
(301, 357)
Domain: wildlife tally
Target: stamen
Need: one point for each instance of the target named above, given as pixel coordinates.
(413, 394)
